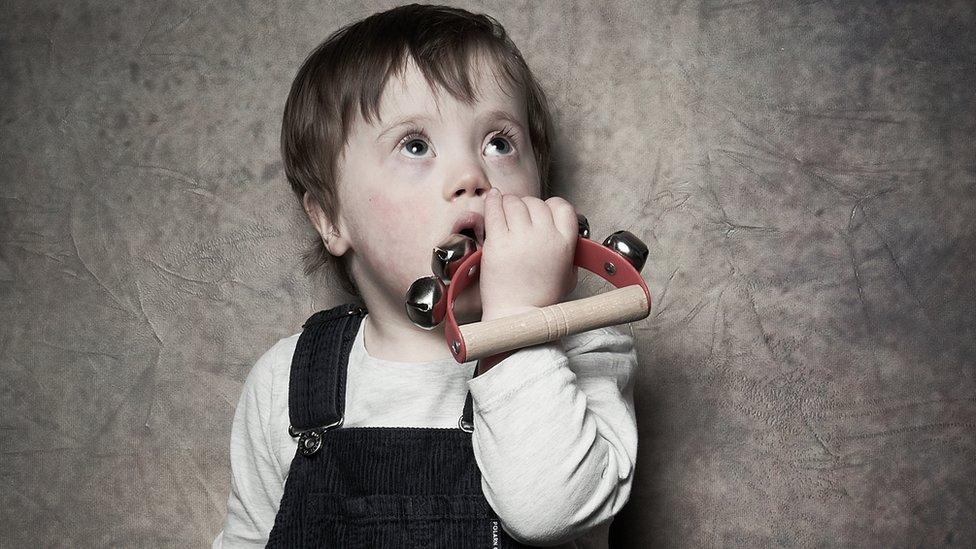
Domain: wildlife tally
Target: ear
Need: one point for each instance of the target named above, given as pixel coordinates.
(334, 240)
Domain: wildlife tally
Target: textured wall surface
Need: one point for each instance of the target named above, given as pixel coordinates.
(802, 172)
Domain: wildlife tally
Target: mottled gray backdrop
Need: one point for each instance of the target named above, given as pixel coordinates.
(802, 172)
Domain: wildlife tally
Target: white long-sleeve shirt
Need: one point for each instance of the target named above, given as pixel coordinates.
(555, 435)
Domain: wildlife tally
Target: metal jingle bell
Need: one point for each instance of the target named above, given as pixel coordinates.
(455, 249)
(427, 302)
(629, 246)
(584, 225)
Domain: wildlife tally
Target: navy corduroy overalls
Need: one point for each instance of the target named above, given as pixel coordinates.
(366, 487)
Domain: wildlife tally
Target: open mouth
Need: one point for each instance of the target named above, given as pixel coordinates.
(470, 233)
(472, 225)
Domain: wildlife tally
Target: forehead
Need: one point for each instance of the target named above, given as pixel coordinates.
(410, 93)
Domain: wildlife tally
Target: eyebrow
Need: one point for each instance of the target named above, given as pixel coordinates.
(493, 115)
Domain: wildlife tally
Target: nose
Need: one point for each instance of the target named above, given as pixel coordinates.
(470, 180)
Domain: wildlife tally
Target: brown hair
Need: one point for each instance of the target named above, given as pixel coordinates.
(351, 68)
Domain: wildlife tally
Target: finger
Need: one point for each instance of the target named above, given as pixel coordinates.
(516, 214)
(539, 211)
(564, 216)
(494, 215)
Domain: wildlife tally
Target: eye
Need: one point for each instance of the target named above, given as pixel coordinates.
(414, 144)
(501, 143)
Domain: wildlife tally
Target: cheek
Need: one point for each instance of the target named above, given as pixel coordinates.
(521, 179)
(399, 226)
(398, 218)
(520, 186)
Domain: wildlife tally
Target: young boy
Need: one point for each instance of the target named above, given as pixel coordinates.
(398, 130)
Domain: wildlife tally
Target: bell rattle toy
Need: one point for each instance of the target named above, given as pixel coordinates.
(455, 265)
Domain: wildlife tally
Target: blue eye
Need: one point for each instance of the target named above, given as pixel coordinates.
(504, 147)
(414, 143)
(416, 147)
(507, 138)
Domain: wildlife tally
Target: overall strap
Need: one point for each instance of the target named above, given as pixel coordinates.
(317, 385)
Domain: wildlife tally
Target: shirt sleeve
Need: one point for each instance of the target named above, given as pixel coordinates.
(555, 435)
(256, 483)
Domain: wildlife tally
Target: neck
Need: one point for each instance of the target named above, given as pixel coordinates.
(391, 339)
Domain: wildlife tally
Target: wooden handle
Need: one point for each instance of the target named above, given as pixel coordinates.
(550, 323)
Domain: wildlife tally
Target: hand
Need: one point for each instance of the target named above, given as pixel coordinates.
(527, 258)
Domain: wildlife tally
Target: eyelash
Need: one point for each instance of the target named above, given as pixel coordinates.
(507, 132)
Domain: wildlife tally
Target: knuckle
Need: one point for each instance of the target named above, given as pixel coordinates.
(558, 201)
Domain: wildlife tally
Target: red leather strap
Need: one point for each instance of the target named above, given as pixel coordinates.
(589, 255)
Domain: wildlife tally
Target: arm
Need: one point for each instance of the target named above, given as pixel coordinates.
(256, 483)
(556, 436)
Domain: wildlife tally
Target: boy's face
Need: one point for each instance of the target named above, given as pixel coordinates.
(403, 185)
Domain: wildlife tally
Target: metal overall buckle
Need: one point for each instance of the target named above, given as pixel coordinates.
(310, 440)
(464, 425)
